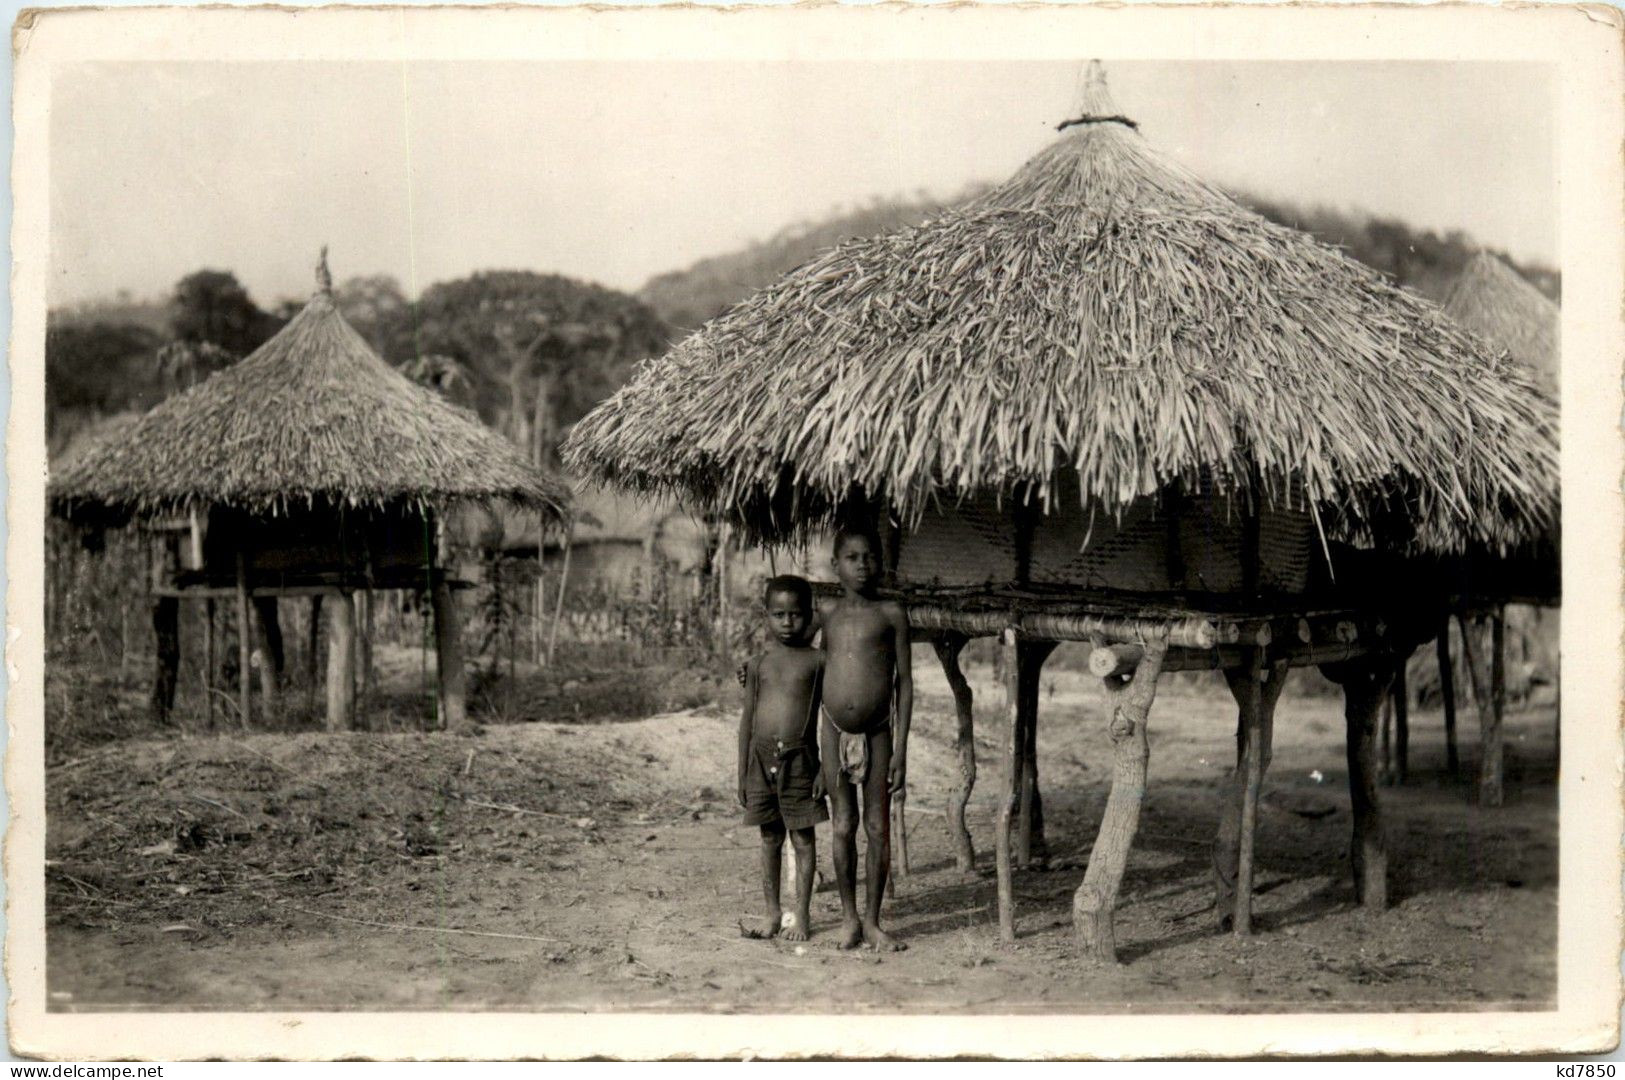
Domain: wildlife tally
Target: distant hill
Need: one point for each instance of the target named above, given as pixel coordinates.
(686, 299)
(1417, 259)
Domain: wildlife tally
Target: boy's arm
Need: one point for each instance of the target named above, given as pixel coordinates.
(905, 697)
(747, 718)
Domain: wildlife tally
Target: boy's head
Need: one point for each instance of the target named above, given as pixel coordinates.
(857, 557)
(788, 600)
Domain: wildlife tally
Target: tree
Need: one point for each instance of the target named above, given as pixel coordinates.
(97, 368)
(378, 310)
(211, 306)
(543, 348)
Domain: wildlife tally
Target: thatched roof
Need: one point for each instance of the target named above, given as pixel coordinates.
(1105, 311)
(312, 417)
(1494, 301)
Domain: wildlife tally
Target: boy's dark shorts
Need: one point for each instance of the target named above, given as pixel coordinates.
(779, 785)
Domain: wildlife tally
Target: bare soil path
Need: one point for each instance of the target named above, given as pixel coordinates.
(600, 865)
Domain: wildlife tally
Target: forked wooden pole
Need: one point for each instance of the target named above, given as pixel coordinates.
(1096, 899)
(245, 634)
(1257, 688)
(949, 646)
(1030, 848)
(1009, 782)
(1365, 684)
(1447, 692)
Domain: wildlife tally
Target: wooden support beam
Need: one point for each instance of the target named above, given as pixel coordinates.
(948, 647)
(1257, 687)
(1447, 692)
(313, 648)
(448, 642)
(1121, 659)
(268, 635)
(1490, 791)
(1491, 787)
(1009, 782)
(1365, 683)
(166, 629)
(1402, 724)
(340, 663)
(209, 666)
(1190, 633)
(1030, 848)
(245, 634)
(1096, 899)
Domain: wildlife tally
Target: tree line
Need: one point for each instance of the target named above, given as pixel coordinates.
(531, 352)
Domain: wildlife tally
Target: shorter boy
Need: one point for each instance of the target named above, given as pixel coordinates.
(780, 786)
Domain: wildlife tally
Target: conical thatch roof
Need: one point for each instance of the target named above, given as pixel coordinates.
(1494, 301)
(312, 417)
(1102, 310)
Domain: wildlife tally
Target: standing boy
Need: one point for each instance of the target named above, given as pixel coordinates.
(868, 697)
(780, 786)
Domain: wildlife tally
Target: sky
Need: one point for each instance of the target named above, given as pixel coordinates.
(614, 172)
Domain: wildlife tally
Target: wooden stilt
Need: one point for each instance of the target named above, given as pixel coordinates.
(1365, 684)
(1030, 848)
(244, 640)
(313, 642)
(210, 667)
(1489, 727)
(1096, 899)
(1385, 753)
(558, 606)
(949, 647)
(1447, 692)
(166, 628)
(270, 620)
(1009, 783)
(340, 662)
(1257, 688)
(1492, 784)
(448, 642)
(365, 623)
(269, 636)
(1402, 724)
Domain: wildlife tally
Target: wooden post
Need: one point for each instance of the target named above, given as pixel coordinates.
(245, 634)
(340, 662)
(1257, 687)
(364, 621)
(1030, 846)
(1365, 683)
(1402, 723)
(313, 644)
(1009, 782)
(1096, 899)
(166, 627)
(1447, 691)
(209, 667)
(448, 644)
(1489, 725)
(949, 646)
(558, 606)
(1385, 750)
(1491, 791)
(270, 619)
(270, 645)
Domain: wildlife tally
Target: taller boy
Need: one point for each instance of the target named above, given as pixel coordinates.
(868, 699)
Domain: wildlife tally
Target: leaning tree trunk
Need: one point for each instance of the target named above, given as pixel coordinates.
(949, 647)
(1096, 899)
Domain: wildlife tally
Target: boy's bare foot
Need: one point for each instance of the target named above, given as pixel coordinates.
(765, 932)
(851, 935)
(878, 940)
(796, 931)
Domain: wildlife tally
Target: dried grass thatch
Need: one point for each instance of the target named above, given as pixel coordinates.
(312, 417)
(1494, 301)
(1102, 311)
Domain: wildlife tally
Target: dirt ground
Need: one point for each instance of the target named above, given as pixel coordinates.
(593, 863)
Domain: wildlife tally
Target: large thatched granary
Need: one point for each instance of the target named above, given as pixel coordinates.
(310, 468)
(1494, 301)
(1105, 402)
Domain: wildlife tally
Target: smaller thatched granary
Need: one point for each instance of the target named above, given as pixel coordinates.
(311, 468)
(1495, 302)
(1103, 401)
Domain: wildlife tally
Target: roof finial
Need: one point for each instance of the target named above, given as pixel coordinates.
(324, 279)
(1094, 101)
